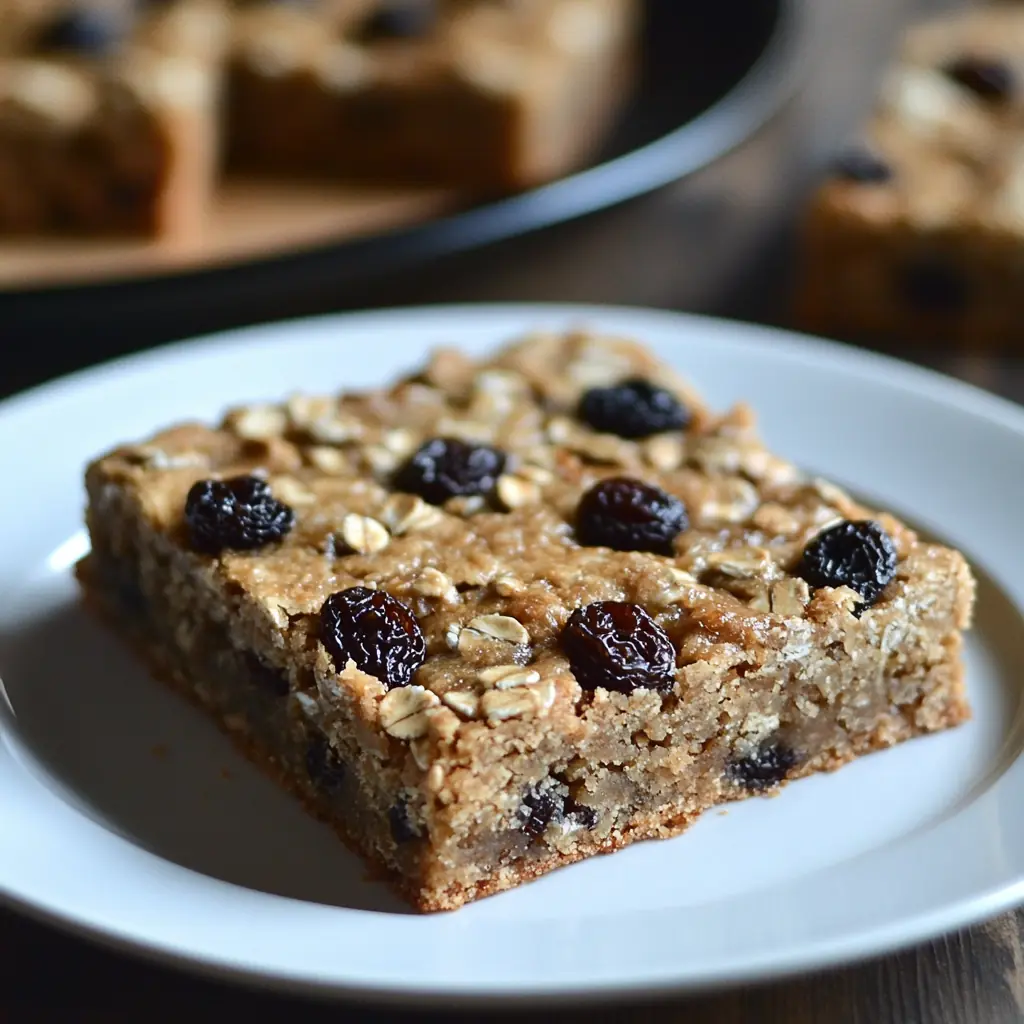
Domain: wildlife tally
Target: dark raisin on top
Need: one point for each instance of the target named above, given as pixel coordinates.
(399, 19)
(618, 646)
(989, 78)
(629, 515)
(239, 514)
(859, 555)
(376, 631)
(633, 409)
(90, 31)
(862, 166)
(446, 468)
(766, 768)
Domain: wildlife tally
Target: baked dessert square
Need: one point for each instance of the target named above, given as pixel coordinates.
(505, 614)
(475, 94)
(918, 234)
(118, 117)
(108, 116)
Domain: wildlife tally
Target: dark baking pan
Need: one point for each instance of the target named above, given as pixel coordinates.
(736, 99)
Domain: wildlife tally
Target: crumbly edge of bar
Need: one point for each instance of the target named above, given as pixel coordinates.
(153, 656)
(416, 887)
(652, 825)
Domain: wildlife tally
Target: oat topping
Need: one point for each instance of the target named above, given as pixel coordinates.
(753, 514)
(498, 627)
(501, 705)
(463, 702)
(403, 711)
(505, 677)
(517, 491)
(363, 534)
(405, 513)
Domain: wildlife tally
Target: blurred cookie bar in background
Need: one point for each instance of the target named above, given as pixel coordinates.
(918, 233)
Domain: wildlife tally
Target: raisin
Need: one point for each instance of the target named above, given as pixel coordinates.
(325, 769)
(767, 768)
(931, 285)
(239, 513)
(635, 408)
(990, 79)
(403, 828)
(628, 515)
(858, 555)
(446, 468)
(585, 817)
(862, 166)
(91, 30)
(618, 646)
(266, 677)
(399, 19)
(539, 809)
(376, 631)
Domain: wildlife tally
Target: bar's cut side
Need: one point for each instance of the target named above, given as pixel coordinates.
(503, 616)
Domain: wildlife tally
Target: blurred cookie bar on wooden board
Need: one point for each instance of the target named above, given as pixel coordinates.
(111, 118)
(108, 115)
(490, 96)
(918, 233)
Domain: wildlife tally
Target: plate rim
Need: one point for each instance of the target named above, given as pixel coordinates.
(947, 390)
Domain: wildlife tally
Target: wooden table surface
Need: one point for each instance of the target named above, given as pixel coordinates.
(972, 977)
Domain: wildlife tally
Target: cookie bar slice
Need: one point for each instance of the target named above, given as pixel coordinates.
(108, 118)
(918, 233)
(465, 93)
(504, 615)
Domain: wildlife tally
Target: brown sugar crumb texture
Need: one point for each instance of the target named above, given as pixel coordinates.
(116, 115)
(501, 616)
(918, 232)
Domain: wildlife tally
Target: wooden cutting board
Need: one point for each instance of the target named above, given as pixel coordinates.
(249, 220)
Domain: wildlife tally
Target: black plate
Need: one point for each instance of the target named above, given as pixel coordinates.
(712, 73)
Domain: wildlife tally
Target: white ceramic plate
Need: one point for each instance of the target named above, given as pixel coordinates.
(125, 816)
